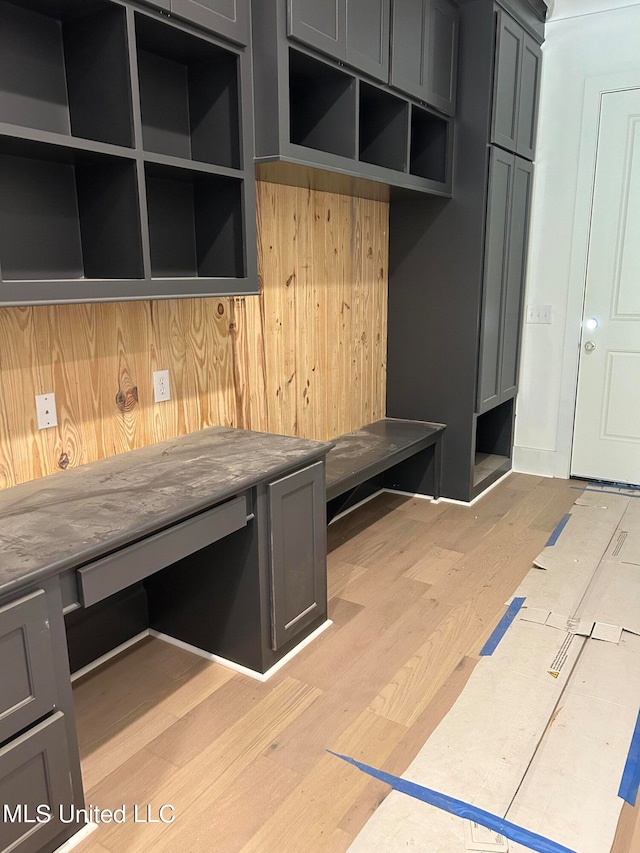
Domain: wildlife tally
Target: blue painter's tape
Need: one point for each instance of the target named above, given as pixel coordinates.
(501, 628)
(631, 774)
(464, 810)
(560, 526)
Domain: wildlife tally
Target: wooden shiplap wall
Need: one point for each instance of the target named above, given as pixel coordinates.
(305, 358)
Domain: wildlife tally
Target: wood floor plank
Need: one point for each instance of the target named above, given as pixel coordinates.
(182, 742)
(215, 767)
(433, 565)
(338, 650)
(627, 838)
(308, 817)
(238, 813)
(304, 742)
(409, 746)
(417, 682)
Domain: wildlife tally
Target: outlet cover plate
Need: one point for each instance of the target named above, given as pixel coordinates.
(161, 389)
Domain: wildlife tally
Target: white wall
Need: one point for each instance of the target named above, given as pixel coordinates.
(590, 45)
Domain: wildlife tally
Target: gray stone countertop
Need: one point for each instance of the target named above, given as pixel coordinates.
(67, 519)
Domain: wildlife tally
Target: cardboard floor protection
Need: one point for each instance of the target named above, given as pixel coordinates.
(541, 733)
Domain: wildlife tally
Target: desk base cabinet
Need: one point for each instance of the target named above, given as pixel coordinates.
(40, 781)
(254, 595)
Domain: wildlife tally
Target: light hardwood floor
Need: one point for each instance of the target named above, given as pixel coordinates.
(415, 589)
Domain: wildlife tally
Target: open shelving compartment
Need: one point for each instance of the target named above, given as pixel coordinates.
(189, 95)
(67, 214)
(493, 447)
(322, 106)
(64, 68)
(195, 223)
(429, 149)
(383, 128)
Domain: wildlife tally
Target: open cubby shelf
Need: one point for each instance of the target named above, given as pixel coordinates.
(188, 95)
(195, 223)
(384, 125)
(494, 440)
(322, 106)
(116, 123)
(68, 214)
(64, 68)
(429, 145)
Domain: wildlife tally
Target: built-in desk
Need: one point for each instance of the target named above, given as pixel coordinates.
(224, 532)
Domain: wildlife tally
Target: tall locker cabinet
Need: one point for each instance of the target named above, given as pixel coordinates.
(457, 266)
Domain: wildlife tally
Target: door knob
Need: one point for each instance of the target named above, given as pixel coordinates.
(590, 346)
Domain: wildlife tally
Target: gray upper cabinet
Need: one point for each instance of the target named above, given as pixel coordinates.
(368, 37)
(90, 208)
(507, 224)
(353, 31)
(228, 18)
(424, 51)
(297, 517)
(515, 91)
(320, 24)
(529, 97)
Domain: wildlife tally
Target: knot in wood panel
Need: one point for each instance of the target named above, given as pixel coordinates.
(126, 400)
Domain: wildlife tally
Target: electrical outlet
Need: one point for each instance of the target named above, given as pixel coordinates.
(539, 314)
(46, 410)
(161, 390)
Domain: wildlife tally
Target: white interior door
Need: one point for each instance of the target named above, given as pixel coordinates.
(606, 439)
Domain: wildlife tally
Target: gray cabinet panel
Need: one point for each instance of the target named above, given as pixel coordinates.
(529, 90)
(424, 51)
(506, 84)
(442, 61)
(496, 257)
(34, 771)
(514, 281)
(321, 24)
(409, 35)
(298, 552)
(26, 664)
(228, 18)
(368, 36)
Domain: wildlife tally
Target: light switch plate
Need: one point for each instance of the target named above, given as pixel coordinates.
(539, 314)
(46, 410)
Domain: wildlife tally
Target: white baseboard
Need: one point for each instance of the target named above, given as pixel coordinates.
(104, 658)
(259, 676)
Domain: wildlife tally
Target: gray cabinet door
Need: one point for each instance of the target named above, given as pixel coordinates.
(495, 272)
(228, 18)
(506, 82)
(424, 51)
(321, 24)
(368, 36)
(34, 771)
(297, 515)
(528, 101)
(515, 88)
(515, 276)
(28, 689)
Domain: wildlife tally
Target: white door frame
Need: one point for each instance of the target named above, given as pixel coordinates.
(594, 88)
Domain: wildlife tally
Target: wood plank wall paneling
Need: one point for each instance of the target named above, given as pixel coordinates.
(305, 358)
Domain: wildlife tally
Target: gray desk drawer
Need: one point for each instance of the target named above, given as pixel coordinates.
(34, 771)
(129, 565)
(27, 683)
